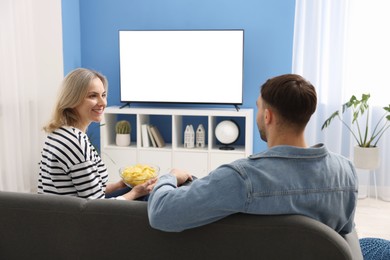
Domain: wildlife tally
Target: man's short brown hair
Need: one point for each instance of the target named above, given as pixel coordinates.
(293, 97)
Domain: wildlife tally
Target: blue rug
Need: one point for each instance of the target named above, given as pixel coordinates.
(375, 248)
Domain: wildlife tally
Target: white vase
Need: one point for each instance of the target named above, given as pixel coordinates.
(123, 139)
(366, 157)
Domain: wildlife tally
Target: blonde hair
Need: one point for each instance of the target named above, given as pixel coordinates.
(74, 89)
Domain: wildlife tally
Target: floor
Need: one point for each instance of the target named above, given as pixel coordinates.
(372, 218)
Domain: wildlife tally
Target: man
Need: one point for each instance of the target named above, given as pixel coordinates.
(288, 178)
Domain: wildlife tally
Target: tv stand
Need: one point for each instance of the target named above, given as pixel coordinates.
(172, 122)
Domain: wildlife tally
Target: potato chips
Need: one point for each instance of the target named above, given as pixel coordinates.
(138, 174)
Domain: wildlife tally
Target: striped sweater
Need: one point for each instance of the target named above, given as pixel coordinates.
(70, 165)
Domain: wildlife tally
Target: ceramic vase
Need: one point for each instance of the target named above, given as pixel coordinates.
(366, 157)
(123, 139)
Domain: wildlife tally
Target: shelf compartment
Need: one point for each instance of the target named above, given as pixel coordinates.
(109, 125)
(239, 120)
(179, 125)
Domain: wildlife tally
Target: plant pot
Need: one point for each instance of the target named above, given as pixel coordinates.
(366, 157)
(123, 139)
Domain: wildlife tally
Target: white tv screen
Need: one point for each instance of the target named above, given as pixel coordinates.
(181, 66)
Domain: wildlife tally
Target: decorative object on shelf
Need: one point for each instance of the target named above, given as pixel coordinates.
(189, 137)
(200, 136)
(123, 129)
(227, 132)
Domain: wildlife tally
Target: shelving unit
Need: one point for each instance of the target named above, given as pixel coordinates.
(172, 123)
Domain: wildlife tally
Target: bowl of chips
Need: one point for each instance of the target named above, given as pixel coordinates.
(138, 173)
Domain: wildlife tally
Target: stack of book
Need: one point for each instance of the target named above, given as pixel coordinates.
(151, 136)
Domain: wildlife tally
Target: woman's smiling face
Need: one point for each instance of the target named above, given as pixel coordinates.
(93, 105)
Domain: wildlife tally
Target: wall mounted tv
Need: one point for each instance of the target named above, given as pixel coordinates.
(181, 66)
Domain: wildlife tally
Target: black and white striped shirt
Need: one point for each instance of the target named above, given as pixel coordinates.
(70, 165)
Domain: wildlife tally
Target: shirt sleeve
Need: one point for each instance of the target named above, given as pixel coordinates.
(87, 180)
(220, 194)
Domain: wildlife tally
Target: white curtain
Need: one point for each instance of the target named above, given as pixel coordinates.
(30, 71)
(343, 48)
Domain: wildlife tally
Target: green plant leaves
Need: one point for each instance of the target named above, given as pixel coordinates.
(329, 120)
(123, 127)
(359, 108)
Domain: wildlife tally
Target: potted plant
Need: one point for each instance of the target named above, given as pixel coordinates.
(361, 132)
(123, 129)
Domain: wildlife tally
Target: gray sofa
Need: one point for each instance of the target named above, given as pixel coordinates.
(59, 227)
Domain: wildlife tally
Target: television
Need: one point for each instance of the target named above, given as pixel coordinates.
(181, 66)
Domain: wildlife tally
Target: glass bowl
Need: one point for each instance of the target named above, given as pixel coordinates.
(138, 173)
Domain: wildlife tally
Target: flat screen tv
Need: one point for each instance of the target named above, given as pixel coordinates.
(181, 66)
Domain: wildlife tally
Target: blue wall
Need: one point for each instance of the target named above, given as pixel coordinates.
(71, 34)
(91, 35)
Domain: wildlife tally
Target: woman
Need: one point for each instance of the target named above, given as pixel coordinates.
(69, 164)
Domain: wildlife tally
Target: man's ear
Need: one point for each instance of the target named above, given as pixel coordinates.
(268, 116)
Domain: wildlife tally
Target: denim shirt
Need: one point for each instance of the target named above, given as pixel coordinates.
(282, 180)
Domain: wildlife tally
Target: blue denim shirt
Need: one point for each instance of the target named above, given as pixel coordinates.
(282, 180)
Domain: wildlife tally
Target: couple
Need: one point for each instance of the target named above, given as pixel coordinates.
(288, 178)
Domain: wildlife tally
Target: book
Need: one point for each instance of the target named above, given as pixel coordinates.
(152, 140)
(157, 136)
(145, 135)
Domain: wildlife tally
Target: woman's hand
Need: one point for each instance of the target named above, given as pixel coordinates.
(141, 190)
(111, 187)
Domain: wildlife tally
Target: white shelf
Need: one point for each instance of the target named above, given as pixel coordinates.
(171, 123)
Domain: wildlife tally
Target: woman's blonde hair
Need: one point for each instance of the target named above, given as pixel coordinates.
(73, 90)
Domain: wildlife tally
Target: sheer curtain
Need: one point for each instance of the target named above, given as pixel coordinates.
(31, 69)
(343, 48)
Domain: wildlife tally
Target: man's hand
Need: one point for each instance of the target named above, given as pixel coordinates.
(181, 176)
